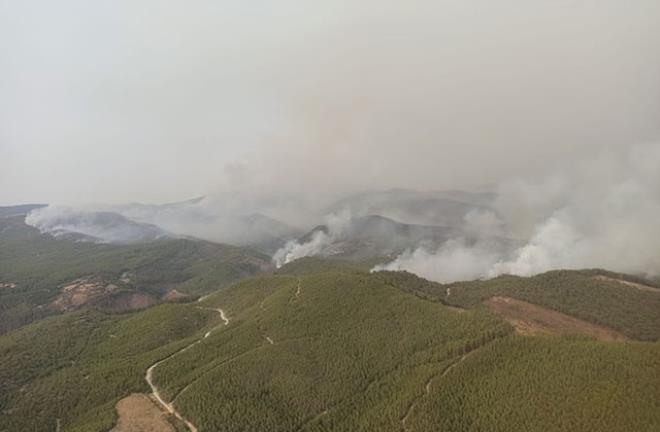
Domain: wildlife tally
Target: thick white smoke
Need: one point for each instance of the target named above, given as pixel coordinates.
(96, 226)
(209, 218)
(452, 261)
(336, 225)
(603, 212)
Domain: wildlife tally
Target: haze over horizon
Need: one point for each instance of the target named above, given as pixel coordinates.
(297, 104)
(330, 215)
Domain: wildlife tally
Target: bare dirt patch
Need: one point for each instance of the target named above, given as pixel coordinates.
(138, 413)
(530, 319)
(639, 286)
(98, 293)
(173, 295)
(80, 292)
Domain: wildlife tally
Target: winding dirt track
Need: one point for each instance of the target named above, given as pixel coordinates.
(427, 388)
(168, 406)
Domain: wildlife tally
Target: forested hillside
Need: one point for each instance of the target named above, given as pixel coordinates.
(75, 367)
(325, 347)
(331, 351)
(547, 384)
(342, 350)
(622, 302)
(35, 267)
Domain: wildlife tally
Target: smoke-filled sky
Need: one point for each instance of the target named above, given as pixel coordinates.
(153, 101)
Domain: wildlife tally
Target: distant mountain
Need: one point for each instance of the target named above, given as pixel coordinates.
(378, 236)
(444, 208)
(206, 218)
(264, 233)
(94, 226)
(203, 218)
(19, 210)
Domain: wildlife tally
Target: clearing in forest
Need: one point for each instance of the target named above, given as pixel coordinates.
(639, 286)
(138, 413)
(530, 319)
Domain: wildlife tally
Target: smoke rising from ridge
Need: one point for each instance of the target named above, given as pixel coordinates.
(275, 110)
(602, 212)
(95, 226)
(336, 225)
(204, 218)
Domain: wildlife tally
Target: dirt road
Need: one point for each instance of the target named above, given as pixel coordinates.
(168, 406)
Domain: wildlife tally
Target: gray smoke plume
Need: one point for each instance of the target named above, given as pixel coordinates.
(206, 218)
(93, 226)
(601, 212)
(227, 100)
(321, 239)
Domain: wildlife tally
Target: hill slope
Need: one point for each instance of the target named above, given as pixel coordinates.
(73, 368)
(597, 296)
(344, 351)
(329, 348)
(547, 384)
(332, 349)
(41, 275)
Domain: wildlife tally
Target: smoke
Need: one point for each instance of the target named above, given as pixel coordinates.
(294, 250)
(603, 212)
(451, 262)
(335, 227)
(227, 98)
(208, 218)
(228, 101)
(100, 227)
(216, 218)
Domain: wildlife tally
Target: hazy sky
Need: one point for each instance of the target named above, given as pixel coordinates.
(165, 100)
